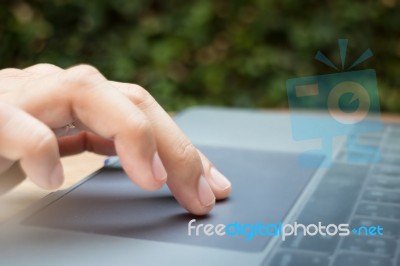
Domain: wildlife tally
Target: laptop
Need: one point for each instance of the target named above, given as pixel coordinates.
(344, 214)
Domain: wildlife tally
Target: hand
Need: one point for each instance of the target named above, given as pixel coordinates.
(37, 103)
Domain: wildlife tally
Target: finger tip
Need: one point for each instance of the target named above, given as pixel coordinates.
(142, 174)
(56, 177)
(223, 193)
(201, 210)
(148, 184)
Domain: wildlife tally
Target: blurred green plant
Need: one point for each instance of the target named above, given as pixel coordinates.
(214, 52)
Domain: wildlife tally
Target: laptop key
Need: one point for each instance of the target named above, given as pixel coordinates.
(391, 148)
(390, 228)
(287, 258)
(373, 140)
(387, 170)
(378, 210)
(390, 159)
(384, 183)
(375, 245)
(345, 259)
(391, 139)
(393, 129)
(381, 196)
(392, 135)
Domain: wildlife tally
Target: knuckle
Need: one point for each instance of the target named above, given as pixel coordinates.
(44, 68)
(83, 70)
(138, 95)
(186, 154)
(83, 76)
(11, 73)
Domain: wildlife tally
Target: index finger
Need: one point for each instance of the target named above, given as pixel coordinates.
(191, 181)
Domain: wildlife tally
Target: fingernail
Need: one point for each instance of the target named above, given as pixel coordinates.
(57, 176)
(206, 196)
(219, 179)
(159, 171)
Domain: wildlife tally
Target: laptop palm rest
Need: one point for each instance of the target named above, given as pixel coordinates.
(265, 187)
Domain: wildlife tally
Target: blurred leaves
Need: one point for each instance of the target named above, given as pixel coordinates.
(233, 53)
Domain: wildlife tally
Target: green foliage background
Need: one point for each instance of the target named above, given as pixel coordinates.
(214, 52)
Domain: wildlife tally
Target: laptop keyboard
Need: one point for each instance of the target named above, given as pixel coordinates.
(360, 195)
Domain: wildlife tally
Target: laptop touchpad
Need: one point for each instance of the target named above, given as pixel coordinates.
(265, 187)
